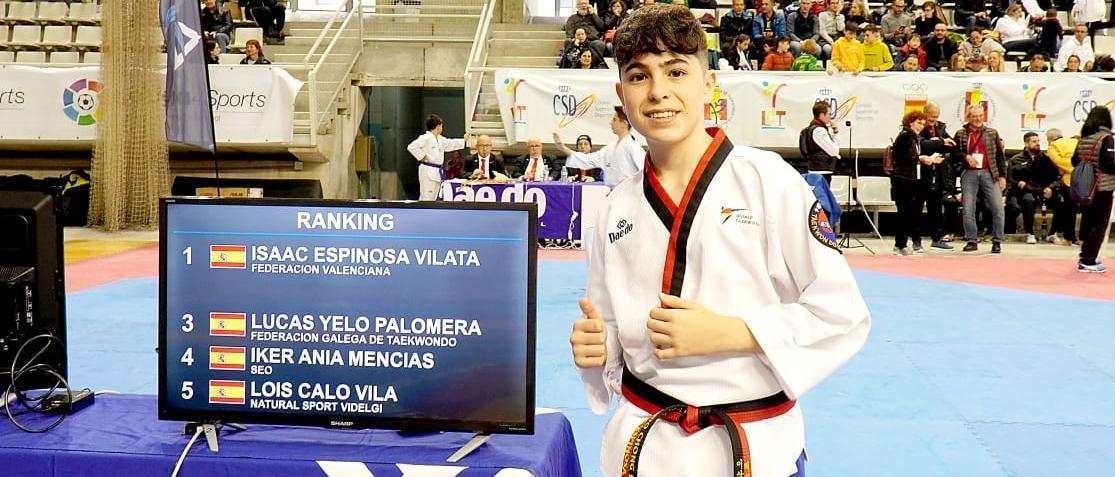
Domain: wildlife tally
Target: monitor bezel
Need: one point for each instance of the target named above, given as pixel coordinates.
(348, 421)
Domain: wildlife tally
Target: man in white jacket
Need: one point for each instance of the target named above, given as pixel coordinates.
(717, 295)
(1079, 44)
(619, 160)
(429, 150)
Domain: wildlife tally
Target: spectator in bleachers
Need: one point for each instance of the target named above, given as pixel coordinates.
(807, 60)
(617, 11)
(802, 25)
(1072, 65)
(857, 13)
(585, 17)
(738, 55)
(958, 62)
(216, 22)
(1090, 13)
(1104, 64)
(269, 15)
(939, 49)
(212, 53)
(1015, 32)
(1037, 64)
(907, 154)
(589, 61)
(1078, 45)
(1096, 146)
(913, 49)
(571, 56)
(484, 164)
(876, 54)
(977, 47)
(735, 23)
(910, 64)
(780, 59)
(895, 21)
(980, 149)
(1049, 39)
(830, 25)
(1060, 150)
(995, 63)
(931, 15)
(253, 54)
(972, 13)
(1027, 185)
(847, 52)
(768, 24)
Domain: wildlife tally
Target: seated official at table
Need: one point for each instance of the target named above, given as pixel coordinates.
(584, 146)
(536, 167)
(484, 164)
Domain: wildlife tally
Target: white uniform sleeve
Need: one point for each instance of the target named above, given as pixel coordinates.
(632, 158)
(826, 143)
(417, 147)
(450, 145)
(822, 320)
(600, 383)
(581, 160)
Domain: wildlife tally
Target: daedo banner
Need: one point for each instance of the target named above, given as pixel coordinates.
(768, 110)
(251, 104)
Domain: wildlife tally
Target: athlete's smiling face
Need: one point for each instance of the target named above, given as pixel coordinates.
(664, 94)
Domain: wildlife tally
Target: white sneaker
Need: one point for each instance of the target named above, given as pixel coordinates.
(1030, 239)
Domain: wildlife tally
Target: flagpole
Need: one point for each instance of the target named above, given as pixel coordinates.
(212, 120)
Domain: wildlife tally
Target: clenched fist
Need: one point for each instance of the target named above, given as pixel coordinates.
(589, 338)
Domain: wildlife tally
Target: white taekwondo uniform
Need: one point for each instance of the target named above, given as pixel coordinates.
(748, 240)
(619, 160)
(432, 170)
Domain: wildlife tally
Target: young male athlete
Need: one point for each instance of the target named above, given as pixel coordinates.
(717, 295)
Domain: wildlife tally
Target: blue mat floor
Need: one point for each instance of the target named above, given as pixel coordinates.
(955, 380)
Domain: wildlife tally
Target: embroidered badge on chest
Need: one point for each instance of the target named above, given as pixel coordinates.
(820, 227)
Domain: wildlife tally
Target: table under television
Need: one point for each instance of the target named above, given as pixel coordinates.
(119, 435)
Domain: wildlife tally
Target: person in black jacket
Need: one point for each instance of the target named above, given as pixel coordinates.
(733, 24)
(939, 48)
(1095, 146)
(907, 155)
(936, 182)
(216, 22)
(269, 15)
(1027, 184)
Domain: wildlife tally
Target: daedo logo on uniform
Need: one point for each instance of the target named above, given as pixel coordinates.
(622, 229)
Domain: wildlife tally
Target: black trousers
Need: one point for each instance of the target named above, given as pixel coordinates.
(904, 193)
(1064, 214)
(1093, 229)
(270, 18)
(929, 197)
(1026, 204)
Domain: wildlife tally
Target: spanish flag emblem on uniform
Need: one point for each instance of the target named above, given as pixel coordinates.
(226, 324)
(226, 392)
(226, 357)
(227, 256)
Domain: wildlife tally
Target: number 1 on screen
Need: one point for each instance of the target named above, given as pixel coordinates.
(189, 253)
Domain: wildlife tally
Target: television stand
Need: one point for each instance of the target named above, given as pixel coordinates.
(211, 429)
(477, 440)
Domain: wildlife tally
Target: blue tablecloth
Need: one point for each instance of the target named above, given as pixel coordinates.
(823, 193)
(120, 436)
(559, 203)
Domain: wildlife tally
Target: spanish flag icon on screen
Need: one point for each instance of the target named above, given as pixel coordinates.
(227, 256)
(226, 324)
(226, 392)
(226, 357)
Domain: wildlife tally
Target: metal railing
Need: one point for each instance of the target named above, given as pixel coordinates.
(477, 59)
(336, 54)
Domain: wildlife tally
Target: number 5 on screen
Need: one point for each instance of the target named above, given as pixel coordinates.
(187, 390)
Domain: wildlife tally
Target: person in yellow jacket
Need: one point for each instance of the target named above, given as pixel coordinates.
(1063, 230)
(847, 52)
(876, 54)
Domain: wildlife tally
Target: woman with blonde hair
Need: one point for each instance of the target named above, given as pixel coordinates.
(958, 62)
(995, 63)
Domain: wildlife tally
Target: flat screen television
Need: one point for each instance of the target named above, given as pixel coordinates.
(348, 314)
(32, 281)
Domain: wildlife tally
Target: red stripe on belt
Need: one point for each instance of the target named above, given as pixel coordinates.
(692, 419)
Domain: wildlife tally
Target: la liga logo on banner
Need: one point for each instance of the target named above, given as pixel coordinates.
(81, 102)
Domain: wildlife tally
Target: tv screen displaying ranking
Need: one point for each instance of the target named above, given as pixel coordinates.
(348, 314)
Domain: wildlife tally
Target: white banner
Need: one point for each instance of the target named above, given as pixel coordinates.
(251, 104)
(768, 110)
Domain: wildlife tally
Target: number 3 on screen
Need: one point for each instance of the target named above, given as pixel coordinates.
(188, 326)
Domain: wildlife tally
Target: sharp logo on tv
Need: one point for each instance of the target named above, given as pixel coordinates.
(242, 102)
(81, 102)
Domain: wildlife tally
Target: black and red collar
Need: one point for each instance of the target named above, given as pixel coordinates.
(678, 218)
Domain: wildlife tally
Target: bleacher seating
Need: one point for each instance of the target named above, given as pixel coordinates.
(21, 12)
(65, 57)
(57, 37)
(243, 35)
(30, 57)
(52, 13)
(88, 38)
(83, 14)
(91, 57)
(25, 37)
(231, 58)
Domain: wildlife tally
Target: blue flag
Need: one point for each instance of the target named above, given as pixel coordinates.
(189, 117)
